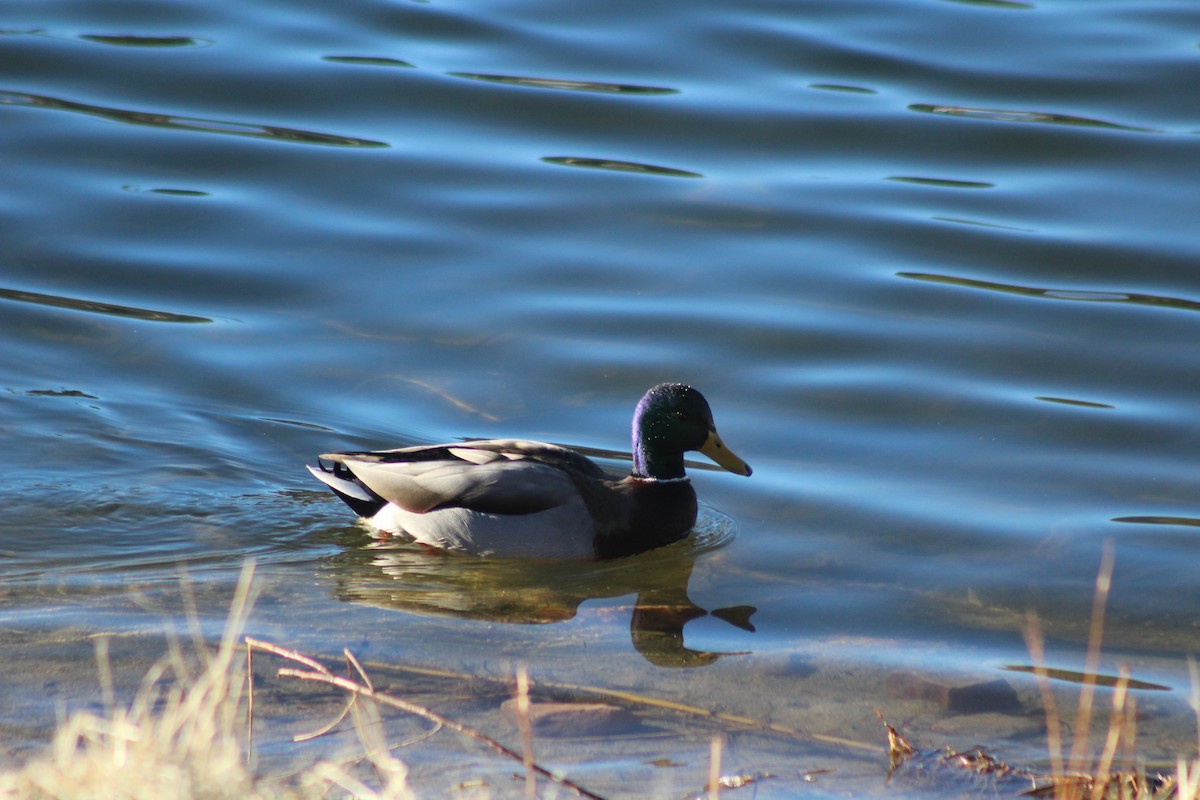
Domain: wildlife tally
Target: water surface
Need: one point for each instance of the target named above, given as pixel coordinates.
(933, 264)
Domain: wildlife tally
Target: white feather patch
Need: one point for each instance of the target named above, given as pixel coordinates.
(561, 532)
(346, 487)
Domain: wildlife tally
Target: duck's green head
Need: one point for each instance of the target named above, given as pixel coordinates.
(670, 420)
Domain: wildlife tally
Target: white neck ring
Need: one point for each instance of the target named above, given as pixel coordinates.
(650, 479)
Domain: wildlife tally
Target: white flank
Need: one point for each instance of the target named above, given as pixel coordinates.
(562, 532)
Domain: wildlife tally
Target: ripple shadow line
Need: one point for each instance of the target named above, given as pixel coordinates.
(98, 307)
(1076, 295)
(194, 124)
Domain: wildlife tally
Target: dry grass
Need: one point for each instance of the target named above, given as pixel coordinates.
(182, 738)
(185, 734)
(1113, 772)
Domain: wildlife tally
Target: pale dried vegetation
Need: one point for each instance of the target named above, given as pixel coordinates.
(1077, 773)
(185, 736)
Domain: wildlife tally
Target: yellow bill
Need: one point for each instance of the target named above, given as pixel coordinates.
(715, 449)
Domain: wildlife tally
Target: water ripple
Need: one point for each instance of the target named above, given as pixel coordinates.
(982, 224)
(619, 166)
(1068, 401)
(1191, 522)
(97, 307)
(166, 191)
(842, 87)
(172, 121)
(1006, 4)
(368, 61)
(1010, 115)
(146, 41)
(557, 83)
(1078, 295)
(946, 183)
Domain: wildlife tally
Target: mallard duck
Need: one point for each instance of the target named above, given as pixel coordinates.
(517, 498)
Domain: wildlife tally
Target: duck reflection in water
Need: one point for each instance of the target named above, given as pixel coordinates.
(405, 577)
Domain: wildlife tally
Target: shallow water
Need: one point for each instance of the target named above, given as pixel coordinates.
(933, 264)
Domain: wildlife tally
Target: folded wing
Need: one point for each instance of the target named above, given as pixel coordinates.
(483, 481)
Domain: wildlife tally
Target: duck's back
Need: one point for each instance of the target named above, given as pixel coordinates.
(502, 497)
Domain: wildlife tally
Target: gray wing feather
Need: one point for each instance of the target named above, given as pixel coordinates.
(496, 487)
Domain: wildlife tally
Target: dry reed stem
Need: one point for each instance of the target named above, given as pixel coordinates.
(324, 729)
(1187, 776)
(1119, 722)
(1194, 699)
(1070, 780)
(191, 614)
(249, 703)
(318, 673)
(390, 771)
(353, 663)
(1035, 643)
(635, 698)
(1068, 783)
(1078, 759)
(104, 670)
(526, 728)
(714, 768)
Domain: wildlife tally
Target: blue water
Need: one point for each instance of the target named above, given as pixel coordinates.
(933, 263)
